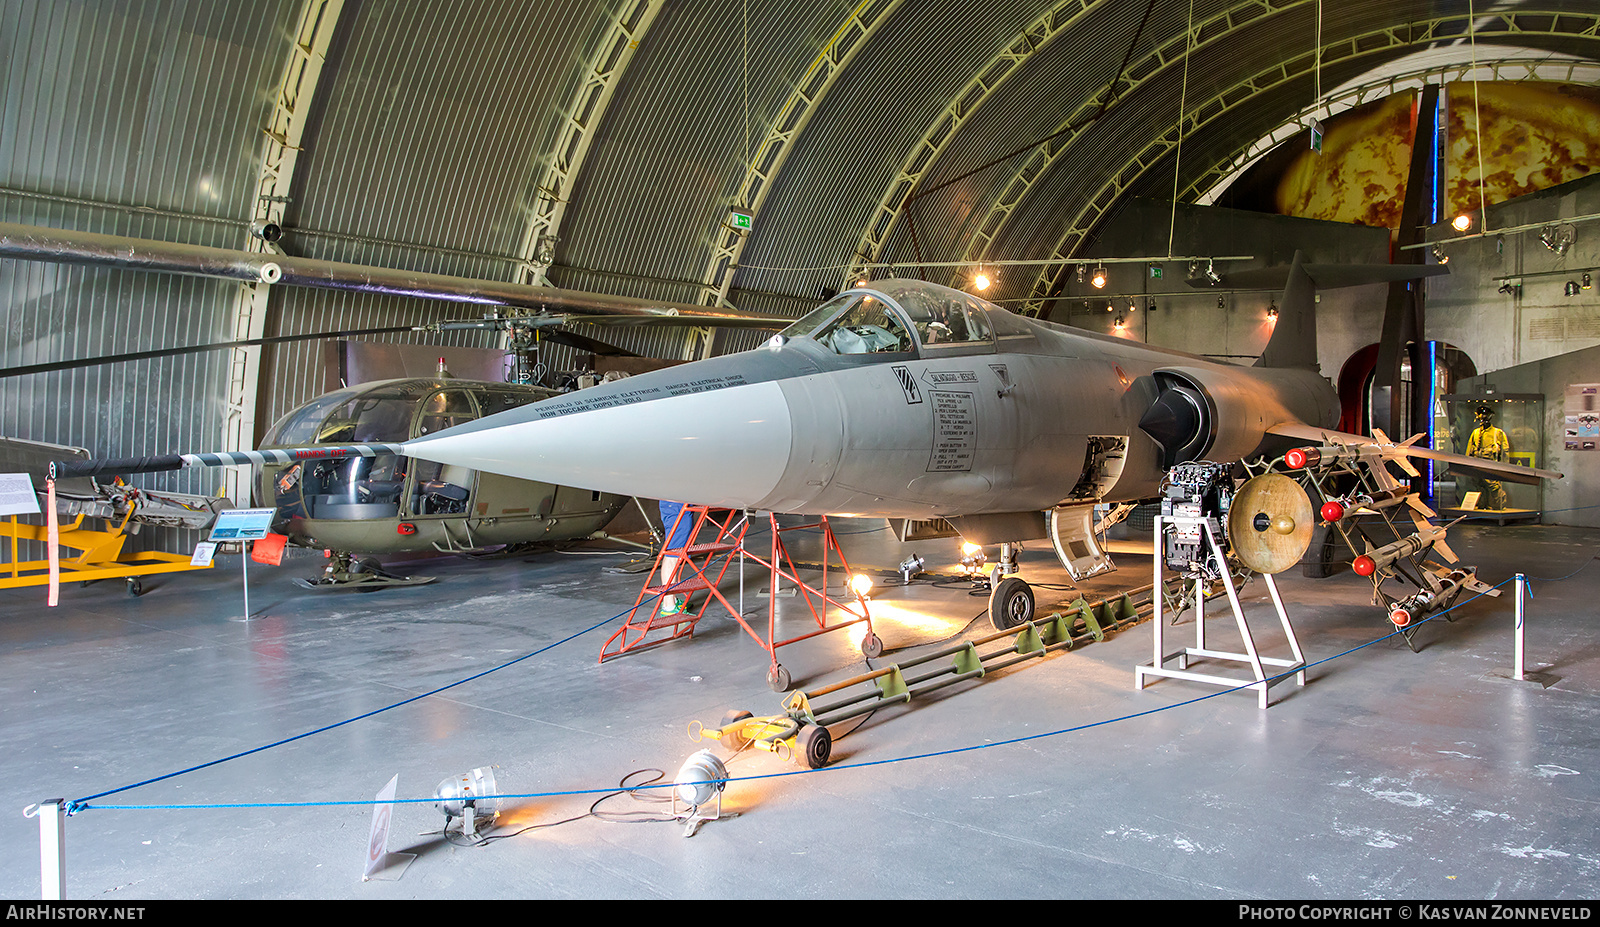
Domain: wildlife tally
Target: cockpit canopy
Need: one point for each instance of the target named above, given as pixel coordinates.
(897, 317)
(396, 410)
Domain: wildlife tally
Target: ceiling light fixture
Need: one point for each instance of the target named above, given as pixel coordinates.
(1461, 223)
(1099, 279)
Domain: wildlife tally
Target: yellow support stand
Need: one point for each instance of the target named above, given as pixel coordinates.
(100, 555)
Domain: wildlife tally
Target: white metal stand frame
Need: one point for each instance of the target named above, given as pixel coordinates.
(1258, 663)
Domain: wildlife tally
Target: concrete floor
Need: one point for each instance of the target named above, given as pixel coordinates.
(1391, 775)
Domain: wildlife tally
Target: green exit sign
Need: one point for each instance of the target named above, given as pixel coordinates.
(740, 219)
(1155, 271)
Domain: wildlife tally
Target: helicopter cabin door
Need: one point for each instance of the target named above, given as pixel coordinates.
(433, 488)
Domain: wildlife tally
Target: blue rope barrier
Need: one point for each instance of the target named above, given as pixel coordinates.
(81, 805)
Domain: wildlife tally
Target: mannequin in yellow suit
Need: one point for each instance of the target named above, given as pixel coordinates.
(1490, 443)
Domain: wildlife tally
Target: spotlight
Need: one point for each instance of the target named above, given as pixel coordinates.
(1558, 238)
(861, 585)
(1584, 281)
(910, 567)
(1440, 256)
(1082, 268)
(1211, 273)
(468, 797)
(1120, 324)
(1511, 289)
(1461, 223)
(1099, 278)
(1222, 303)
(1571, 289)
(268, 232)
(981, 280)
(702, 778)
(1272, 310)
(1132, 306)
(1152, 306)
(972, 562)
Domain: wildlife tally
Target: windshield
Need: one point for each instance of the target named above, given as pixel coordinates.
(813, 320)
(867, 327)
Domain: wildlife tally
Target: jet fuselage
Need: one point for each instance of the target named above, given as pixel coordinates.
(902, 400)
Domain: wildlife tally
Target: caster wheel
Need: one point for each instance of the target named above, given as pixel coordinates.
(135, 586)
(871, 646)
(1010, 604)
(813, 746)
(778, 679)
(733, 740)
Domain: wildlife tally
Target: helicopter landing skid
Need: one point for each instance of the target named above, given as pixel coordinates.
(363, 575)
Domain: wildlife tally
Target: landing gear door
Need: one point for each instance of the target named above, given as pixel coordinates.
(1072, 535)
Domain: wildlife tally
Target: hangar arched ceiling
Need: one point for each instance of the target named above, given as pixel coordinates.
(601, 145)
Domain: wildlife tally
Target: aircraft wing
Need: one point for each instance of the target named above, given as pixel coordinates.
(1475, 466)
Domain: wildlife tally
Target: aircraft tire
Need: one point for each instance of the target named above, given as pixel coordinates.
(1010, 604)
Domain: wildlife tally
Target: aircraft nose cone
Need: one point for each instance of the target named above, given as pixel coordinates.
(725, 446)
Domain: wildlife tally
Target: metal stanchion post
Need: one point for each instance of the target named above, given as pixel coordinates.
(52, 814)
(1519, 672)
(1522, 588)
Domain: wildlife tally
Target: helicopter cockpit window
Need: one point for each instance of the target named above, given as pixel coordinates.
(446, 409)
(867, 327)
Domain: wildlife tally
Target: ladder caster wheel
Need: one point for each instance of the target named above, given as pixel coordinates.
(813, 745)
(778, 679)
(735, 739)
(135, 586)
(871, 646)
(1010, 604)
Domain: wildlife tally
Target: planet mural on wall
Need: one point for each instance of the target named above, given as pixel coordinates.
(1535, 135)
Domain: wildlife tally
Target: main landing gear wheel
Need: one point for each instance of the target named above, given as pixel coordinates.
(734, 739)
(871, 646)
(1010, 604)
(778, 679)
(813, 745)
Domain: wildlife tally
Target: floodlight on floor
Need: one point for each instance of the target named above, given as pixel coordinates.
(702, 778)
(470, 796)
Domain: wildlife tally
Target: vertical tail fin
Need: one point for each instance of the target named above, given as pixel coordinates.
(1294, 337)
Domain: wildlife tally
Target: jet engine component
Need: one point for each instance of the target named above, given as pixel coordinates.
(1270, 522)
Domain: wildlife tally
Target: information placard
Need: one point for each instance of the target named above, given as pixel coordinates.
(242, 524)
(17, 496)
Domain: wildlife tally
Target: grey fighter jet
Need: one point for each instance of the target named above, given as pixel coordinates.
(904, 399)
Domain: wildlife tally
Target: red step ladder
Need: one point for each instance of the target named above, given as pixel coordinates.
(645, 627)
(697, 571)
